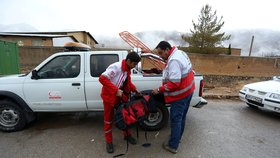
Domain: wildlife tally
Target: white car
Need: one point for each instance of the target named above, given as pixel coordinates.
(264, 95)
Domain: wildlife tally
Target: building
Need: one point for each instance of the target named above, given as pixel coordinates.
(235, 51)
(36, 39)
(80, 36)
(53, 39)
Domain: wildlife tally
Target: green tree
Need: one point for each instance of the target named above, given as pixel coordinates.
(205, 36)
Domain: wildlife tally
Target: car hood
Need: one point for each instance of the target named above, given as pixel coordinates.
(266, 86)
(10, 79)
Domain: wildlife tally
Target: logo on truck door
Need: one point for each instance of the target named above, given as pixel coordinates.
(54, 95)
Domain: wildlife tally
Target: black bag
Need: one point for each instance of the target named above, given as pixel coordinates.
(153, 103)
(135, 112)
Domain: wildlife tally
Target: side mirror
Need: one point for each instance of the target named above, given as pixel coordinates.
(35, 75)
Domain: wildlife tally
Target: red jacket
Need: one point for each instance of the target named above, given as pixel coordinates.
(117, 76)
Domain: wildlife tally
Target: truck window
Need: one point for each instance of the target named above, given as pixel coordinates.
(99, 63)
(66, 66)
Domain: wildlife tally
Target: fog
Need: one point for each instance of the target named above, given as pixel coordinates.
(265, 43)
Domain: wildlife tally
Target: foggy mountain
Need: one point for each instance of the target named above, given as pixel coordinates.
(17, 28)
(266, 42)
(149, 38)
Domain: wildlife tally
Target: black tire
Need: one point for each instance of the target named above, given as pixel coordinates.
(12, 117)
(158, 120)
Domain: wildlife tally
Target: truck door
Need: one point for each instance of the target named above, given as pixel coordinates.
(59, 87)
(97, 65)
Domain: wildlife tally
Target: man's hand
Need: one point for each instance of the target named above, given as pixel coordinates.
(119, 93)
(155, 91)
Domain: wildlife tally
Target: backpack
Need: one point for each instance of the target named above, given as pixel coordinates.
(133, 112)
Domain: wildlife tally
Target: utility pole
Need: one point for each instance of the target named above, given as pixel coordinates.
(252, 41)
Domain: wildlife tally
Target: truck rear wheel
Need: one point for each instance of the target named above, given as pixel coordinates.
(157, 120)
(12, 117)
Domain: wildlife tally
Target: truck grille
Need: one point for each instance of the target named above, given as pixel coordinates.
(255, 103)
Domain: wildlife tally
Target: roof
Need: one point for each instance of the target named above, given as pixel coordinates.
(32, 35)
(62, 32)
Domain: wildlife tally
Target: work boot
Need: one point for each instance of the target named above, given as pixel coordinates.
(130, 139)
(109, 147)
(168, 148)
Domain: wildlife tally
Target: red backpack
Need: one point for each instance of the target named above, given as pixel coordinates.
(133, 112)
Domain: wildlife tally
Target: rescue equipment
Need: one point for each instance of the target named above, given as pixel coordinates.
(133, 112)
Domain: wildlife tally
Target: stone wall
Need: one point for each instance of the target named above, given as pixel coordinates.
(30, 57)
(235, 65)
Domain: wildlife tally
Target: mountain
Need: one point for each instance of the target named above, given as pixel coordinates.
(17, 28)
(265, 43)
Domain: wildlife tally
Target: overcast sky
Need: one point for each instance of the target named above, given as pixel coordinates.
(114, 16)
(109, 17)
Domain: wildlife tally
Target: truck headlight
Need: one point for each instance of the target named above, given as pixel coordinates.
(275, 96)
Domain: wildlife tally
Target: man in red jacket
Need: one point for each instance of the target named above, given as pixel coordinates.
(117, 85)
(178, 86)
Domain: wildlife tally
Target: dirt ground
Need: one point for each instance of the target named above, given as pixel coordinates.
(227, 86)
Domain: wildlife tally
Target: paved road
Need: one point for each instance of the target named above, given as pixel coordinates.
(223, 128)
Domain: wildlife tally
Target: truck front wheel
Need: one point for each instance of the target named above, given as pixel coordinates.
(157, 120)
(11, 116)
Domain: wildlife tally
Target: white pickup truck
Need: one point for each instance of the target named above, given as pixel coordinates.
(68, 82)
